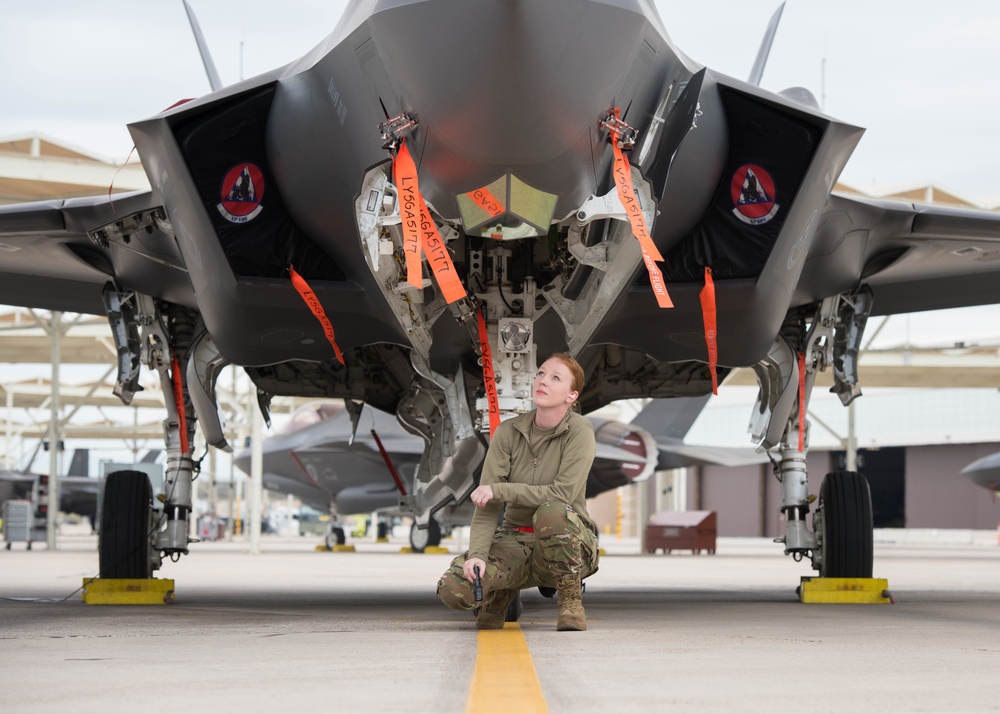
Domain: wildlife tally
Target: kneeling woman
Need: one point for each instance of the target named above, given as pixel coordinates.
(538, 465)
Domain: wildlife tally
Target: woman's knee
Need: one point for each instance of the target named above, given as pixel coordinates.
(455, 591)
(551, 515)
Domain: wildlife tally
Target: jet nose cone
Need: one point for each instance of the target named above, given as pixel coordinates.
(533, 75)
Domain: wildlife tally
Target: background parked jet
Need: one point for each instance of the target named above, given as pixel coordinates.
(329, 465)
(322, 460)
(985, 472)
(78, 492)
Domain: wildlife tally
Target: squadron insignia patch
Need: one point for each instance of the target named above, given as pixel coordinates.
(753, 195)
(242, 190)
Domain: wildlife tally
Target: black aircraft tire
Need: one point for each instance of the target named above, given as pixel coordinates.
(847, 526)
(425, 538)
(515, 608)
(123, 547)
(434, 529)
(336, 536)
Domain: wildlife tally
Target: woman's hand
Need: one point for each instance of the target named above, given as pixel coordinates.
(482, 496)
(467, 569)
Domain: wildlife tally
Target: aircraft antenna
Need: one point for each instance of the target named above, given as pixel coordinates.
(206, 57)
(822, 84)
(765, 48)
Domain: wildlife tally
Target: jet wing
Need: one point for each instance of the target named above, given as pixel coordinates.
(914, 257)
(77, 494)
(56, 255)
(16, 486)
(676, 456)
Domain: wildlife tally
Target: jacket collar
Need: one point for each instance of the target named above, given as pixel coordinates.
(522, 423)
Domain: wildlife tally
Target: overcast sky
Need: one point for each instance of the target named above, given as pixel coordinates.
(920, 75)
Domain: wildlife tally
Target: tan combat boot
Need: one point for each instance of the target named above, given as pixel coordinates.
(571, 615)
(493, 612)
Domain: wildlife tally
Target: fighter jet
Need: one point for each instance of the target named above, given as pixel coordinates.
(349, 463)
(985, 472)
(412, 222)
(359, 463)
(78, 492)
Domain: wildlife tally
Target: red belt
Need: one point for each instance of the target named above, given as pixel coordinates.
(523, 529)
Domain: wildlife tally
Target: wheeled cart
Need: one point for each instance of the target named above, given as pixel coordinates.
(18, 521)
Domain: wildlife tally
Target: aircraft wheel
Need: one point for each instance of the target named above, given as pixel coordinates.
(123, 546)
(422, 538)
(515, 608)
(846, 512)
(335, 536)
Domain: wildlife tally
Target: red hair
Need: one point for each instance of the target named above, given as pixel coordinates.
(574, 368)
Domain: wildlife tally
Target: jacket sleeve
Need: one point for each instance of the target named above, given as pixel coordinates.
(496, 468)
(496, 465)
(484, 526)
(570, 480)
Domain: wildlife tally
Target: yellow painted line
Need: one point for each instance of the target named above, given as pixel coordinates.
(504, 679)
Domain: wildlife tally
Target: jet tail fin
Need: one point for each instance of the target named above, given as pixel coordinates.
(765, 48)
(80, 465)
(671, 418)
(206, 56)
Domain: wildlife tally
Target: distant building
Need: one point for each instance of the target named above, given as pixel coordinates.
(34, 167)
(911, 486)
(916, 193)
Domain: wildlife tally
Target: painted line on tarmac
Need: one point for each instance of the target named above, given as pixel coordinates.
(504, 678)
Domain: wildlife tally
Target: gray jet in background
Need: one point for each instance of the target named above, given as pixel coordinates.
(321, 459)
(985, 472)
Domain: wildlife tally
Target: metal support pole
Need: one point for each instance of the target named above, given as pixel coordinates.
(213, 489)
(642, 513)
(231, 510)
(10, 463)
(762, 472)
(135, 428)
(54, 436)
(256, 476)
(680, 500)
(852, 440)
(662, 478)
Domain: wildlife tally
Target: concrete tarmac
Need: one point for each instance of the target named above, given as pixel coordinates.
(292, 630)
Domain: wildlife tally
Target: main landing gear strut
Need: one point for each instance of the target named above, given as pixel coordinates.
(134, 536)
(840, 543)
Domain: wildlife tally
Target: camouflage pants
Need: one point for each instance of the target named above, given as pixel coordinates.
(562, 546)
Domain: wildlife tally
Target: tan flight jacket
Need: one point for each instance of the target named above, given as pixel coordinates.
(525, 480)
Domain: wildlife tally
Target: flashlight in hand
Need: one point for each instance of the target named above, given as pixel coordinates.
(477, 585)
